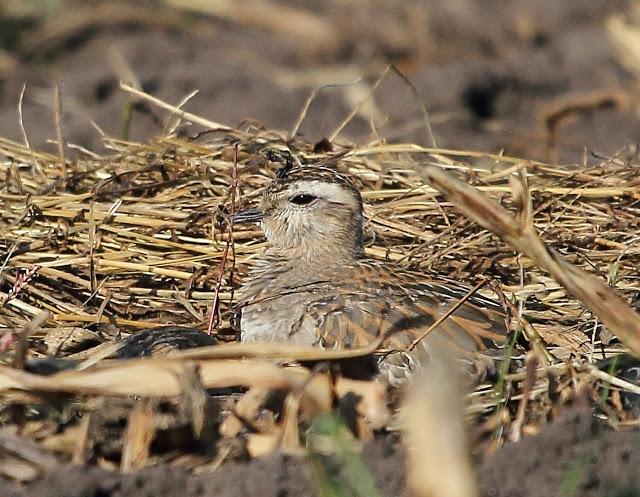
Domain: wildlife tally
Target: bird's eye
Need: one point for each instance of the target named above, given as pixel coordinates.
(302, 199)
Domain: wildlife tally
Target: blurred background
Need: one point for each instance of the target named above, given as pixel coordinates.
(540, 79)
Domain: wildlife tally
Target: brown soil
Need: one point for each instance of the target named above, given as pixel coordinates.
(573, 456)
(485, 70)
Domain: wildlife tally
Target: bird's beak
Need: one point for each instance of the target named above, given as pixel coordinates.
(252, 215)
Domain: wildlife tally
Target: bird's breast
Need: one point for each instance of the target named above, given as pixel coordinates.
(278, 316)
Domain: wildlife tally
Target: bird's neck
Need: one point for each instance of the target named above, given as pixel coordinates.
(289, 267)
(315, 256)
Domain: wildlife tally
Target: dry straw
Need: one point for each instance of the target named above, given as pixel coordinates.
(135, 238)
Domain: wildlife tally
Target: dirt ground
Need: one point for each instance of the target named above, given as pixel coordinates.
(489, 73)
(573, 456)
(494, 75)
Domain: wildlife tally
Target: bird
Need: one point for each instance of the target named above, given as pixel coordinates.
(315, 286)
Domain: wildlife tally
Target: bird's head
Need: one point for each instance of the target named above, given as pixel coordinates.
(310, 211)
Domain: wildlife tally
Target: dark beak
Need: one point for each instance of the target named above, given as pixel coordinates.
(252, 215)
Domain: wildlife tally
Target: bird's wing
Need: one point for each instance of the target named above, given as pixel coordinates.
(402, 307)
